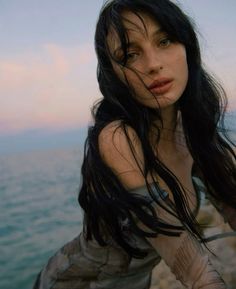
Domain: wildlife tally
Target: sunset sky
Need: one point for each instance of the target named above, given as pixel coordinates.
(48, 64)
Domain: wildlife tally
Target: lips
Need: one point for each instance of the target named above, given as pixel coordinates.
(160, 86)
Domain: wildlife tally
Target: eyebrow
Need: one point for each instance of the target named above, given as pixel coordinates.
(134, 44)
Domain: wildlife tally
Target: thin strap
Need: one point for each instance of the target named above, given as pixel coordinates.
(219, 236)
(199, 188)
(142, 190)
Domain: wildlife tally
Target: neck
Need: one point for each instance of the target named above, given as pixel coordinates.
(170, 122)
(171, 133)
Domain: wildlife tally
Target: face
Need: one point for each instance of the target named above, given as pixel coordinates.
(156, 68)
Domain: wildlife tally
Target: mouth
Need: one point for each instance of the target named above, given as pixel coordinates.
(161, 86)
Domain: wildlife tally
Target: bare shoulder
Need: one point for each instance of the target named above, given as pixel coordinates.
(121, 150)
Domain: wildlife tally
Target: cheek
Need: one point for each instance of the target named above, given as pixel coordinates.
(125, 74)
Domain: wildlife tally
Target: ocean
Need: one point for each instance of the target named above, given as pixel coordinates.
(39, 211)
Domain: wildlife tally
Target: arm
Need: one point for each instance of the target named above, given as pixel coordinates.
(187, 259)
(184, 254)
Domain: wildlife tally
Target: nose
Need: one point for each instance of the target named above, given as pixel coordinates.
(154, 62)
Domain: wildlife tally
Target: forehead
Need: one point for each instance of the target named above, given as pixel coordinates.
(139, 25)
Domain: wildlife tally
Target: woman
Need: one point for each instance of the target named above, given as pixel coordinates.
(156, 130)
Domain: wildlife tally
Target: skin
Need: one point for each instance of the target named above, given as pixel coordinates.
(152, 56)
(149, 59)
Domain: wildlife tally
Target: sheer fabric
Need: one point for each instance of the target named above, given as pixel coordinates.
(86, 265)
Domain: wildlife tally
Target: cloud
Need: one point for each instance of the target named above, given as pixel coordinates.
(52, 87)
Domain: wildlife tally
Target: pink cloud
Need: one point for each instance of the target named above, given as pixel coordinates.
(53, 87)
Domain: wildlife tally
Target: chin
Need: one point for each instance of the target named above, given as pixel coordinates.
(164, 102)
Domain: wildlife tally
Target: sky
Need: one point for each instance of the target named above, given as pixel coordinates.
(48, 64)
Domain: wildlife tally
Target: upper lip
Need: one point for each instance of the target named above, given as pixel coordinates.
(159, 82)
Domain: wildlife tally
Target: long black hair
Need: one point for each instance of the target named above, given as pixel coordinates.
(105, 201)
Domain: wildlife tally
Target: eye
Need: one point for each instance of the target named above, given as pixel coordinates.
(165, 42)
(131, 56)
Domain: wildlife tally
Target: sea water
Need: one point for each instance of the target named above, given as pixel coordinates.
(39, 211)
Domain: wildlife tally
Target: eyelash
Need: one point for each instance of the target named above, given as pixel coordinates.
(162, 43)
(131, 54)
(164, 40)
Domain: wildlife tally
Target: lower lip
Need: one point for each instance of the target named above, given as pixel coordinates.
(161, 89)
